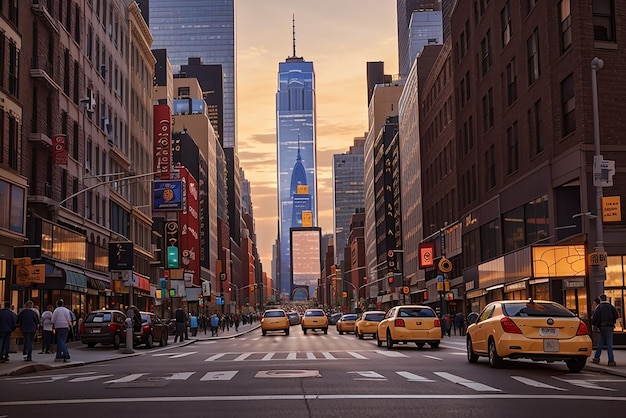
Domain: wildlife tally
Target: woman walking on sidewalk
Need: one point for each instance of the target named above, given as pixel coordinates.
(47, 328)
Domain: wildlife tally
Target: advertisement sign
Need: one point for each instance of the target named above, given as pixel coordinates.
(59, 149)
(172, 242)
(120, 255)
(190, 228)
(611, 209)
(162, 141)
(168, 195)
(426, 255)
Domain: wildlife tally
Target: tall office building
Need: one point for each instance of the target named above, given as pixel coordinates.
(405, 9)
(348, 193)
(198, 28)
(296, 153)
(425, 28)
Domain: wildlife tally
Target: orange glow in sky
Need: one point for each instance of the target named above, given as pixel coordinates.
(339, 37)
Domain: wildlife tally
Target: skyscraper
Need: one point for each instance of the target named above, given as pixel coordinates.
(296, 149)
(405, 9)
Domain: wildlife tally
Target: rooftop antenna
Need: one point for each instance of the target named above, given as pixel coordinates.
(299, 158)
(293, 24)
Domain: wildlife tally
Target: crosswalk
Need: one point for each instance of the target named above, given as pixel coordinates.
(285, 355)
(586, 381)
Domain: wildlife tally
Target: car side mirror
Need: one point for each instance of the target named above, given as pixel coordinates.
(472, 318)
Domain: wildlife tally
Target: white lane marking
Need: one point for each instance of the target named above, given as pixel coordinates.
(310, 356)
(587, 384)
(458, 354)
(174, 355)
(206, 342)
(243, 356)
(535, 383)
(391, 353)
(212, 376)
(368, 375)
(184, 354)
(357, 355)
(127, 379)
(89, 378)
(328, 356)
(434, 358)
(179, 376)
(414, 377)
(466, 382)
(268, 356)
(57, 376)
(215, 357)
(292, 355)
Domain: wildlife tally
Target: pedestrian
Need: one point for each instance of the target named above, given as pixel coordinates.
(193, 324)
(604, 319)
(181, 324)
(8, 322)
(459, 323)
(236, 319)
(62, 321)
(202, 322)
(47, 328)
(447, 325)
(215, 322)
(28, 321)
(133, 313)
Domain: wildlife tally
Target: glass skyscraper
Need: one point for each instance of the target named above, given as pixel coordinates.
(295, 149)
(198, 28)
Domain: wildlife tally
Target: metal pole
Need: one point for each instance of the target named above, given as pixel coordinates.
(598, 272)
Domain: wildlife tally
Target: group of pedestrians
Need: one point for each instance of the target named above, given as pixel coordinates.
(29, 321)
(456, 323)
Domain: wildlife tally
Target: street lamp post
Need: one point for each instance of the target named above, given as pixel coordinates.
(597, 271)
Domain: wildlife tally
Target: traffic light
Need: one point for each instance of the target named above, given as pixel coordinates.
(390, 279)
(172, 257)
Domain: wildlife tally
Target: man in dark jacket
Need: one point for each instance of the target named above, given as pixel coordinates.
(604, 318)
(181, 324)
(8, 321)
(28, 320)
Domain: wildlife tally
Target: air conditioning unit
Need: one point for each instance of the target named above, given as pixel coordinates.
(104, 122)
(89, 101)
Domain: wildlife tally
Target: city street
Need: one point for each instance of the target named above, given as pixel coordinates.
(313, 375)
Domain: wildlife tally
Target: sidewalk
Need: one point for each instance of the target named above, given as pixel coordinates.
(81, 354)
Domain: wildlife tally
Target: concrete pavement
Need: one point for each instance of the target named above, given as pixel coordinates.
(82, 355)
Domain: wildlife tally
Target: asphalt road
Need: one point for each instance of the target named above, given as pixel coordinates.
(313, 375)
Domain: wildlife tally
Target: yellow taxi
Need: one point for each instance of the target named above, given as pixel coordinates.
(532, 329)
(314, 319)
(275, 320)
(367, 323)
(346, 323)
(409, 323)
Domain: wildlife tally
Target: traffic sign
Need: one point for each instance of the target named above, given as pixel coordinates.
(406, 290)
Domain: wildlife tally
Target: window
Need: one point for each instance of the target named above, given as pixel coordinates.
(76, 141)
(603, 20)
(536, 219)
(66, 72)
(468, 87)
(490, 240)
(13, 12)
(505, 20)
(512, 141)
(485, 47)
(511, 82)
(490, 163)
(537, 124)
(14, 64)
(488, 110)
(532, 47)
(3, 40)
(513, 229)
(12, 207)
(568, 105)
(530, 4)
(14, 132)
(565, 25)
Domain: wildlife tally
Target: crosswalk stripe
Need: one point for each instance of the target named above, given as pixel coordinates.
(180, 376)
(466, 382)
(242, 357)
(292, 355)
(89, 378)
(310, 356)
(587, 384)
(391, 353)
(215, 357)
(433, 357)
(268, 356)
(357, 355)
(212, 376)
(368, 375)
(328, 356)
(535, 383)
(183, 354)
(414, 377)
(126, 379)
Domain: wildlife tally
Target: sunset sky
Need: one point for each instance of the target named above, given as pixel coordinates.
(339, 37)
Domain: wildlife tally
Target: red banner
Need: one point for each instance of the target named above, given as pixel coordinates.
(189, 223)
(162, 141)
(59, 149)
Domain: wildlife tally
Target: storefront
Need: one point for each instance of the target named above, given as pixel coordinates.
(615, 290)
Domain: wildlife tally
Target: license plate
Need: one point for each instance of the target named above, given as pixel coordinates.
(548, 332)
(551, 345)
(95, 331)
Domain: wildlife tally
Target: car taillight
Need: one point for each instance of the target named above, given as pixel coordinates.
(509, 326)
(82, 329)
(112, 327)
(399, 322)
(146, 328)
(582, 329)
(437, 323)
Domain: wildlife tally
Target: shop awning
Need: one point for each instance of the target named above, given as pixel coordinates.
(75, 281)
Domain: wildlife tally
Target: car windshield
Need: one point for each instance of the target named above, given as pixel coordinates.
(540, 309)
(314, 313)
(374, 317)
(350, 317)
(416, 312)
(99, 317)
(274, 314)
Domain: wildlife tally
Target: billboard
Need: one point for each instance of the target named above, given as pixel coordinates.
(59, 149)
(162, 141)
(426, 254)
(189, 221)
(305, 258)
(121, 255)
(168, 195)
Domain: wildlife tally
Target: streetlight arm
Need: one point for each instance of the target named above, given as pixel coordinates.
(105, 182)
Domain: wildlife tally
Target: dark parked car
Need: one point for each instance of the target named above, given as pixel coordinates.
(152, 329)
(294, 318)
(105, 326)
(332, 320)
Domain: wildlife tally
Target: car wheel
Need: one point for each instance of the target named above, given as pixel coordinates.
(91, 345)
(471, 356)
(163, 341)
(378, 341)
(495, 360)
(434, 344)
(149, 341)
(287, 331)
(389, 340)
(419, 345)
(375, 336)
(304, 330)
(340, 332)
(576, 364)
(359, 335)
(325, 330)
(116, 341)
(264, 332)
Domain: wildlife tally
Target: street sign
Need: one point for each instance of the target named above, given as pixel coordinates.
(223, 276)
(406, 290)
